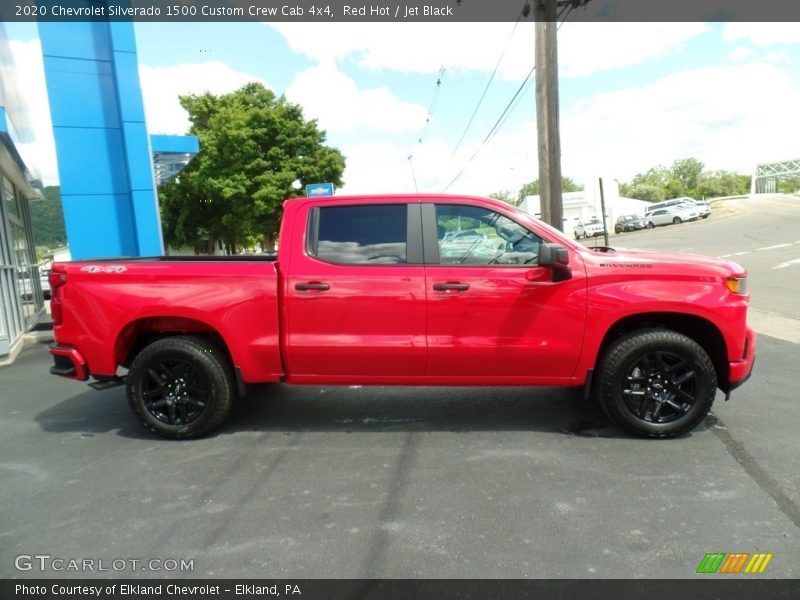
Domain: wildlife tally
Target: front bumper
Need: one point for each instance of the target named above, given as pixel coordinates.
(68, 362)
(739, 371)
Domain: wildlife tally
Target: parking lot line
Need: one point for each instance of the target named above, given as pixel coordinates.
(775, 247)
(788, 263)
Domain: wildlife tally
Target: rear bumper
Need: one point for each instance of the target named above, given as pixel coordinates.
(739, 371)
(68, 362)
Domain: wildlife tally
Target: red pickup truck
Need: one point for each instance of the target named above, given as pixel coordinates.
(408, 290)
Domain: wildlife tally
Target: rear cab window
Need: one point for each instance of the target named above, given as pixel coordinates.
(362, 234)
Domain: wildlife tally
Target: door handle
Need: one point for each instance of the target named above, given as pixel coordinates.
(453, 286)
(312, 286)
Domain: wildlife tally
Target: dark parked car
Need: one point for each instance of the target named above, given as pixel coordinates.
(629, 223)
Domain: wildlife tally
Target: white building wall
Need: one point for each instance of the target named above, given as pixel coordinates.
(586, 205)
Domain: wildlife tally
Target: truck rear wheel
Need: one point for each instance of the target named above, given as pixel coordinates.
(180, 387)
(656, 383)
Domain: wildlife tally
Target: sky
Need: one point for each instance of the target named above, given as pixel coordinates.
(632, 95)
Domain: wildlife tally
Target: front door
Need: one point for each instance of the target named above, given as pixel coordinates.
(494, 316)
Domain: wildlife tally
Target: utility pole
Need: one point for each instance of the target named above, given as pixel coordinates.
(549, 139)
(603, 211)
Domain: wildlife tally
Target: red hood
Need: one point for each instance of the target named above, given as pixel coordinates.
(648, 261)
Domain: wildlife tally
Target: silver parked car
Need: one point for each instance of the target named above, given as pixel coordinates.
(703, 208)
(671, 215)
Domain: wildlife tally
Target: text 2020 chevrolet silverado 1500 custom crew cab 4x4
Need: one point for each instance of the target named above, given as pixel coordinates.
(378, 291)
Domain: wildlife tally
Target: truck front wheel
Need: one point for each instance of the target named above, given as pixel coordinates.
(656, 383)
(180, 387)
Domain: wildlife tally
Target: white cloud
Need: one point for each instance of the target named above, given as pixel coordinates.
(505, 163)
(410, 47)
(339, 104)
(161, 87)
(741, 53)
(40, 154)
(716, 115)
(584, 48)
(762, 34)
(713, 114)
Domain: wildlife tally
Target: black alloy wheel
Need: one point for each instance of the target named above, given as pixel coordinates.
(175, 392)
(656, 383)
(660, 387)
(181, 387)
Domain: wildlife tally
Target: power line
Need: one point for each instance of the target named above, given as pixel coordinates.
(486, 88)
(413, 175)
(493, 130)
(432, 105)
(429, 116)
(507, 110)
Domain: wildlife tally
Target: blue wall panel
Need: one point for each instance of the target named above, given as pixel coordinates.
(89, 41)
(122, 36)
(92, 97)
(97, 225)
(147, 224)
(91, 161)
(126, 70)
(137, 148)
(104, 160)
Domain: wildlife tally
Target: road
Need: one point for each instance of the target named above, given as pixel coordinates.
(396, 482)
(762, 235)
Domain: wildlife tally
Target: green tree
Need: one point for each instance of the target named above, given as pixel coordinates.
(789, 186)
(687, 171)
(253, 147)
(47, 219)
(655, 177)
(532, 188)
(713, 184)
(506, 196)
(686, 177)
(647, 191)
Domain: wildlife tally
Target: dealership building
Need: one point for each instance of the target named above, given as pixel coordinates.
(21, 299)
(109, 165)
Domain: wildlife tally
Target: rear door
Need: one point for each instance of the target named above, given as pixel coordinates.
(355, 293)
(494, 315)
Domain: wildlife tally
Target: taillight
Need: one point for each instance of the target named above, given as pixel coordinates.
(55, 309)
(57, 280)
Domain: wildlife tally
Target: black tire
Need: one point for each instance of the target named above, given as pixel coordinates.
(676, 221)
(577, 237)
(651, 225)
(180, 387)
(656, 383)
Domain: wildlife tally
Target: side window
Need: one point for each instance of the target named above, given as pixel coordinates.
(474, 236)
(366, 234)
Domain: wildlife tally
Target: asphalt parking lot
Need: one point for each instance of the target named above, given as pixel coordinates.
(325, 482)
(399, 482)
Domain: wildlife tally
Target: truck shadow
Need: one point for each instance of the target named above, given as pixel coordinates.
(358, 409)
(369, 409)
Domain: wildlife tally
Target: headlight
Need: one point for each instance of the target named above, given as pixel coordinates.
(737, 285)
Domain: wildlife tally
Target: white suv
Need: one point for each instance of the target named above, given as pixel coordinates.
(590, 228)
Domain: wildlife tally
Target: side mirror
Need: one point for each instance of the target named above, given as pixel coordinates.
(556, 257)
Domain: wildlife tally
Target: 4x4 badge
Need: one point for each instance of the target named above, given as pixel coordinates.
(98, 269)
